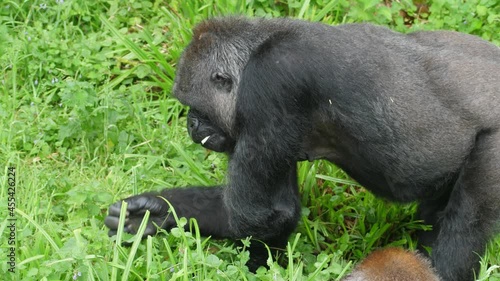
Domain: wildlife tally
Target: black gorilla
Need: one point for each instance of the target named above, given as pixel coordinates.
(411, 117)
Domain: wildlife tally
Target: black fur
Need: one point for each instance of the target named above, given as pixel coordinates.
(411, 117)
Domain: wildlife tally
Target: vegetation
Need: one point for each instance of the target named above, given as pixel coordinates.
(87, 118)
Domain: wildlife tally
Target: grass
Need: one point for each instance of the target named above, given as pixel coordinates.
(86, 118)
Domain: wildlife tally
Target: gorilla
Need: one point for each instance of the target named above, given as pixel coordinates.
(393, 264)
(412, 117)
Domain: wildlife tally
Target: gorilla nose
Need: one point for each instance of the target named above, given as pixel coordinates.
(194, 123)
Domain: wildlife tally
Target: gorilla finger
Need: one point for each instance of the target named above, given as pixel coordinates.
(142, 203)
(111, 222)
(136, 205)
(130, 228)
(114, 210)
(133, 228)
(151, 230)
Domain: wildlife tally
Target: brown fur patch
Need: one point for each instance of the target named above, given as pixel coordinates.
(398, 264)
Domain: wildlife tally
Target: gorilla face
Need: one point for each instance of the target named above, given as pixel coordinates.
(209, 70)
(206, 85)
(203, 131)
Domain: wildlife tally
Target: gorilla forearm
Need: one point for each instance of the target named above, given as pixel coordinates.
(220, 211)
(205, 205)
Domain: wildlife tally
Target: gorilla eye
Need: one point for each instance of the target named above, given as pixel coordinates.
(220, 77)
(222, 80)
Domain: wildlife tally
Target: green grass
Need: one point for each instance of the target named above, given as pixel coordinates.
(86, 118)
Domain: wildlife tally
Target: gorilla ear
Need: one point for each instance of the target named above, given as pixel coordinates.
(222, 80)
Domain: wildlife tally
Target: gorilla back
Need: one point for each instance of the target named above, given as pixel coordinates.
(411, 117)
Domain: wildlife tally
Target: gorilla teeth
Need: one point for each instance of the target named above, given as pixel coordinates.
(203, 141)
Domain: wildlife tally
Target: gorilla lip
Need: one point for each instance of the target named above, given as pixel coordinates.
(203, 141)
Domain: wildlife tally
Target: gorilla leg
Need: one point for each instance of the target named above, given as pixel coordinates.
(468, 220)
(429, 211)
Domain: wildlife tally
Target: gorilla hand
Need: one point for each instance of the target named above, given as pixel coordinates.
(204, 204)
(136, 208)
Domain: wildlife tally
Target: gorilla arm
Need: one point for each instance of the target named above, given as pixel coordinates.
(275, 103)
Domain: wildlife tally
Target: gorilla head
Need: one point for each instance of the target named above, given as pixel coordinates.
(210, 68)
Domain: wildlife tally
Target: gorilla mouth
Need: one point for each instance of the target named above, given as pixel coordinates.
(203, 141)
